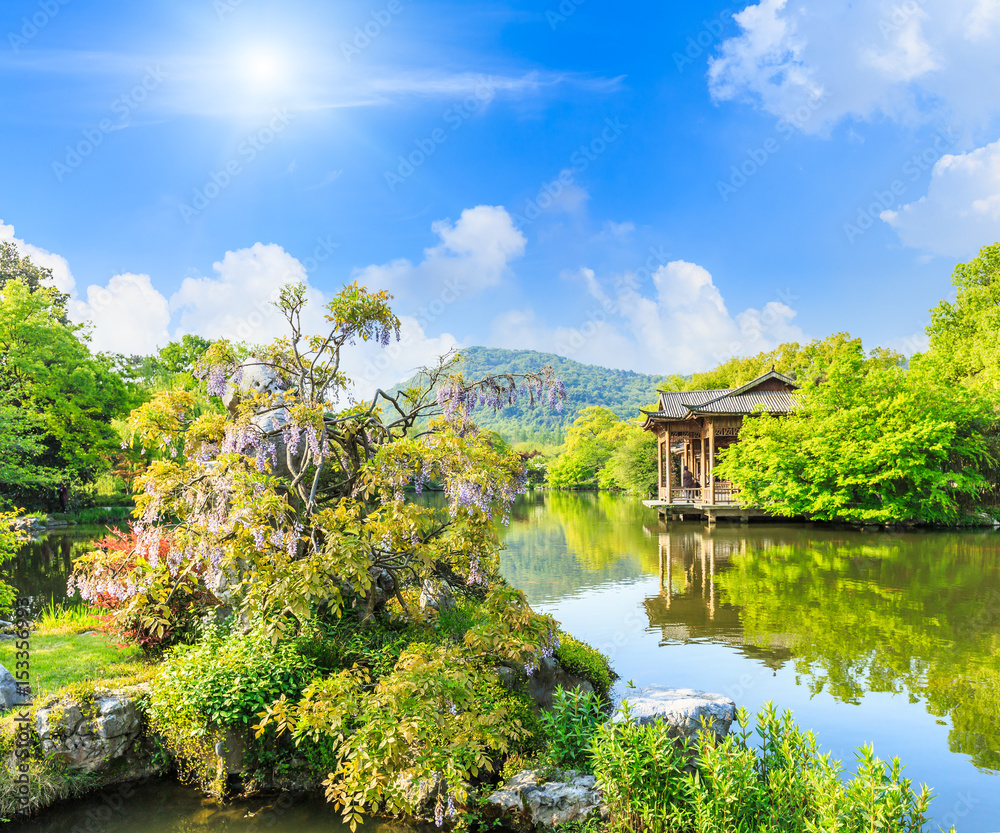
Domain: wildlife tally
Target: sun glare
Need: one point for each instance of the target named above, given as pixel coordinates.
(264, 69)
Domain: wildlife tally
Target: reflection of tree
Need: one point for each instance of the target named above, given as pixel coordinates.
(561, 542)
(915, 614)
(42, 566)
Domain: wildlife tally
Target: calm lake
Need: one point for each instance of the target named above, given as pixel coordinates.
(881, 637)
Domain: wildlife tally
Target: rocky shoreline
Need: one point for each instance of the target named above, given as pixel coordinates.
(103, 737)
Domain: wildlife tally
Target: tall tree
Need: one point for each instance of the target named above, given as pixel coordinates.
(13, 267)
(868, 442)
(965, 334)
(63, 398)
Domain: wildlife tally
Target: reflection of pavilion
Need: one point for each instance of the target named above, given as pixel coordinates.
(686, 608)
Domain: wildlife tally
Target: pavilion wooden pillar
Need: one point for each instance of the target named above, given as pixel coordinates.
(668, 466)
(659, 467)
(711, 461)
(704, 476)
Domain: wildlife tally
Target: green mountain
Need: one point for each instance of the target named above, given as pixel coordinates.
(623, 391)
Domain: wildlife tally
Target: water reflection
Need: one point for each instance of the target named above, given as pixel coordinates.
(42, 566)
(850, 614)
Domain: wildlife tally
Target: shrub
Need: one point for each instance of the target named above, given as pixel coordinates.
(570, 725)
(223, 681)
(581, 660)
(784, 786)
(422, 722)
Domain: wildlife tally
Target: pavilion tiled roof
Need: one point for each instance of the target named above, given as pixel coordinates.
(674, 403)
(772, 401)
(680, 404)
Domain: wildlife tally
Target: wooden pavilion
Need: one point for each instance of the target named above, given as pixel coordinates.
(692, 426)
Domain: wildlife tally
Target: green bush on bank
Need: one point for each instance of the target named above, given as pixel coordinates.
(784, 786)
(580, 659)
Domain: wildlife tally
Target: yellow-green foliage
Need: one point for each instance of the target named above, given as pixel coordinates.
(581, 660)
(57, 620)
(426, 717)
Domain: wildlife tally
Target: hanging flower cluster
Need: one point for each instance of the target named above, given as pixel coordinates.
(459, 399)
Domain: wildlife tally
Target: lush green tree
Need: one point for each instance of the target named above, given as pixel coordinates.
(868, 442)
(294, 515)
(64, 397)
(10, 542)
(632, 465)
(965, 334)
(590, 441)
(13, 267)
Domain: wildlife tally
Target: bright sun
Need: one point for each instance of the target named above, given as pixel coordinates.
(263, 68)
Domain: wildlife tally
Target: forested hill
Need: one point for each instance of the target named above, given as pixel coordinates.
(623, 391)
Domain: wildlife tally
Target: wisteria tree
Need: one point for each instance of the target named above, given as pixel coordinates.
(289, 497)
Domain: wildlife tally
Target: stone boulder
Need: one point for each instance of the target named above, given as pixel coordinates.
(437, 595)
(550, 674)
(11, 694)
(528, 802)
(90, 736)
(682, 708)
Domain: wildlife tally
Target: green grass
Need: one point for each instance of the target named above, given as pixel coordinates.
(95, 515)
(57, 620)
(61, 660)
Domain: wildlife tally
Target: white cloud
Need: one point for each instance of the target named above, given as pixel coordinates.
(682, 326)
(131, 315)
(898, 58)
(960, 212)
(475, 253)
(236, 303)
(61, 275)
(128, 315)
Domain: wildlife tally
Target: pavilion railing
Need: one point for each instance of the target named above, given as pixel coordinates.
(725, 494)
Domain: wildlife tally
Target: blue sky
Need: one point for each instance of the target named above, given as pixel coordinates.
(650, 186)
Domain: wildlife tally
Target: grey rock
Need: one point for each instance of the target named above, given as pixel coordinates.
(92, 736)
(11, 694)
(232, 750)
(508, 677)
(437, 595)
(682, 708)
(525, 803)
(543, 682)
(254, 377)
